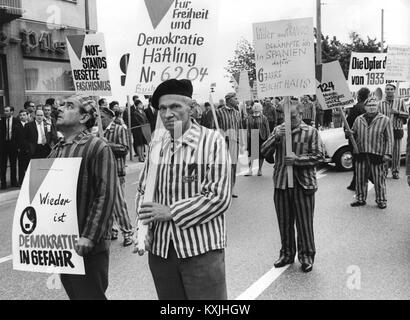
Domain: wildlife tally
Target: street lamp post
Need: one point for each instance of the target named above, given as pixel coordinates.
(319, 32)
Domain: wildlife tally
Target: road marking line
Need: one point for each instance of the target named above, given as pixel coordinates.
(255, 290)
(6, 259)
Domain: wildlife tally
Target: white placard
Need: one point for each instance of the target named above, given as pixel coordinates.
(285, 61)
(398, 63)
(176, 40)
(45, 226)
(88, 57)
(332, 89)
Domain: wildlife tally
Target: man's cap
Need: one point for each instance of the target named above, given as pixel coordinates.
(173, 86)
(391, 85)
(230, 95)
(107, 111)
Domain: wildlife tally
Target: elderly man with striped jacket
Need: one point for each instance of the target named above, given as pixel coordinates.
(395, 109)
(192, 194)
(373, 133)
(296, 203)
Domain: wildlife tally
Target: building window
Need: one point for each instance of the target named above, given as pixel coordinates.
(47, 76)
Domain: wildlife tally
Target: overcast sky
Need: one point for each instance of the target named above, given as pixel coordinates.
(118, 21)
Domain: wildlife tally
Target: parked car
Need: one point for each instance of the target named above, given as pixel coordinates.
(338, 150)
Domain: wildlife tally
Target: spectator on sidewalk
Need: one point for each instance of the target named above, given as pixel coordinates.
(9, 153)
(23, 153)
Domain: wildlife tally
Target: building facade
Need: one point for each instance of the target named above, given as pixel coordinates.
(34, 61)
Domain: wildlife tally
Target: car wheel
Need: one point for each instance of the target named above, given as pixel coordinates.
(344, 159)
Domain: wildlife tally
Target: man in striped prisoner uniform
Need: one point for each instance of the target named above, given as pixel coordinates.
(96, 193)
(116, 137)
(297, 203)
(394, 109)
(193, 192)
(373, 133)
(308, 111)
(230, 124)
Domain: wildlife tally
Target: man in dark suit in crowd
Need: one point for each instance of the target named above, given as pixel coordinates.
(30, 107)
(152, 115)
(23, 156)
(9, 152)
(207, 117)
(134, 122)
(51, 123)
(354, 113)
(54, 108)
(38, 137)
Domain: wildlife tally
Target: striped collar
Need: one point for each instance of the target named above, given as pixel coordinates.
(81, 139)
(379, 116)
(190, 137)
(303, 126)
(111, 127)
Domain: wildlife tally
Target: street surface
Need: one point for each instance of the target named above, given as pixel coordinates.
(362, 253)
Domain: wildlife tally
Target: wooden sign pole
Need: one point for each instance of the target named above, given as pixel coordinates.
(129, 127)
(288, 129)
(155, 159)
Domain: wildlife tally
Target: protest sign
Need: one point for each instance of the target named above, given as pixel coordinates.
(176, 41)
(88, 58)
(332, 89)
(367, 70)
(45, 225)
(243, 90)
(398, 63)
(284, 54)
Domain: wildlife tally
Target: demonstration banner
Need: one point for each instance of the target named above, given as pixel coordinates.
(367, 70)
(332, 89)
(398, 63)
(176, 39)
(285, 61)
(45, 226)
(88, 58)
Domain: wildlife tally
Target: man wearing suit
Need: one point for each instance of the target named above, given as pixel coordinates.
(152, 115)
(23, 153)
(10, 148)
(49, 120)
(408, 156)
(38, 137)
(134, 122)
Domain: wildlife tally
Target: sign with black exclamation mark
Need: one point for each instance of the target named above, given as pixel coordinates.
(125, 59)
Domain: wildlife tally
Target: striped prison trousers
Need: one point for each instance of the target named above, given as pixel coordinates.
(122, 219)
(396, 156)
(364, 169)
(295, 204)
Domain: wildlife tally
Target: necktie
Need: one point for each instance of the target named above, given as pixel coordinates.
(43, 135)
(9, 129)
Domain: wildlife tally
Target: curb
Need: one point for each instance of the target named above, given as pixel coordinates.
(13, 195)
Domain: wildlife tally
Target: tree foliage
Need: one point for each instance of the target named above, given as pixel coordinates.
(332, 49)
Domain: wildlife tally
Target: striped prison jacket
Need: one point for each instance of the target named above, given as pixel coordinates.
(385, 108)
(308, 111)
(230, 122)
(117, 140)
(307, 145)
(96, 188)
(374, 139)
(194, 180)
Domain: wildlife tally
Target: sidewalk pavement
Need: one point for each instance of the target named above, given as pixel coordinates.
(13, 193)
